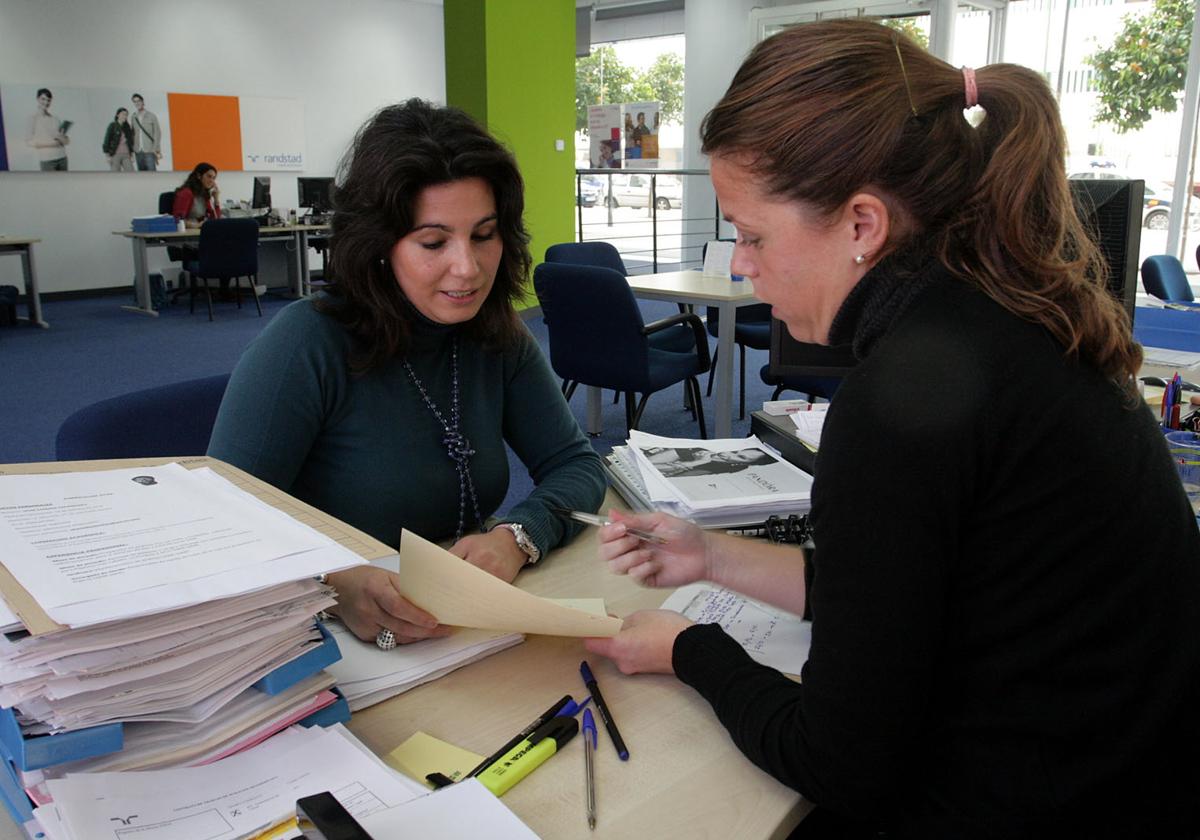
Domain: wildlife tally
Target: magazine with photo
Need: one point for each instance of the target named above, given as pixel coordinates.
(716, 473)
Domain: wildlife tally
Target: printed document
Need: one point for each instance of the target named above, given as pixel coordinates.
(772, 636)
(106, 545)
(237, 797)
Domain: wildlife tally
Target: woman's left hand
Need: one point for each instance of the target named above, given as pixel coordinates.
(645, 643)
(496, 552)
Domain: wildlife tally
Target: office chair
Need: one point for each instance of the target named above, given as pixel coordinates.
(605, 255)
(228, 250)
(1163, 277)
(751, 328)
(598, 338)
(812, 387)
(182, 254)
(167, 421)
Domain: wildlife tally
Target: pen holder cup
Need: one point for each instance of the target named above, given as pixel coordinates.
(1185, 452)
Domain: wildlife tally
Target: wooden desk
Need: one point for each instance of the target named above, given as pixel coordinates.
(24, 246)
(693, 288)
(142, 242)
(684, 777)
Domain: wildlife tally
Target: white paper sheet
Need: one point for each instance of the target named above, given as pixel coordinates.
(717, 257)
(770, 635)
(250, 791)
(465, 811)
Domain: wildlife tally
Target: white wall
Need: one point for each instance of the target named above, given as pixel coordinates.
(343, 60)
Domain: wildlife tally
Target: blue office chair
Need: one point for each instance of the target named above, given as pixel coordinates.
(228, 251)
(1163, 277)
(598, 338)
(813, 387)
(170, 420)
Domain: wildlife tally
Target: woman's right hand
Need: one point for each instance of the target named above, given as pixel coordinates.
(684, 558)
(368, 602)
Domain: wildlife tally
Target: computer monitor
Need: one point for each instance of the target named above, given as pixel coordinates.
(315, 194)
(1111, 210)
(790, 358)
(261, 198)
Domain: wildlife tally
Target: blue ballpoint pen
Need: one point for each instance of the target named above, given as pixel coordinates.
(589, 748)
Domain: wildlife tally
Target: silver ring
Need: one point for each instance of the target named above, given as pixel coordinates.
(386, 640)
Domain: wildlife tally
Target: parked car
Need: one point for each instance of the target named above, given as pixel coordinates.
(632, 189)
(590, 188)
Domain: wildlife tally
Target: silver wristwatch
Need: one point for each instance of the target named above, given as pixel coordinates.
(524, 541)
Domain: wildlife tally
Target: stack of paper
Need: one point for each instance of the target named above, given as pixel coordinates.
(718, 481)
(810, 423)
(253, 795)
(173, 592)
(367, 675)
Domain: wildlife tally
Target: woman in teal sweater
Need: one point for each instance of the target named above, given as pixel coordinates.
(387, 401)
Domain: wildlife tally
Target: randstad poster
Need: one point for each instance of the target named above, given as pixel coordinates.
(604, 134)
(134, 129)
(640, 125)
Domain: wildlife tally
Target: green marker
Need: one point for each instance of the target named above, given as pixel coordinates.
(526, 756)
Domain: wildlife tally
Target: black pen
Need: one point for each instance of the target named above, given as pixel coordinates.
(522, 735)
(605, 715)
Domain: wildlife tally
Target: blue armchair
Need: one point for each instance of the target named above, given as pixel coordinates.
(169, 420)
(598, 338)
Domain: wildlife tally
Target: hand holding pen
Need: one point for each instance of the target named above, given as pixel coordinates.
(681, 557)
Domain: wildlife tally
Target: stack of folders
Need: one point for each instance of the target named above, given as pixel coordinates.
(165, 618)
(714, 483)
(163, 223)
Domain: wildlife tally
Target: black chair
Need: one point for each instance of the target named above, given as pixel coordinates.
(167, 421)
(751, 328)
(183, 254)
(228, 250)
(813, 387)
(598, 338)
(1163, 277)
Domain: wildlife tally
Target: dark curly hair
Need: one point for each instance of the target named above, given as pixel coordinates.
(400, 151)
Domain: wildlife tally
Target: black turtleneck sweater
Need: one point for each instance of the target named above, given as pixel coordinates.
(368, 449)
(1004, 592)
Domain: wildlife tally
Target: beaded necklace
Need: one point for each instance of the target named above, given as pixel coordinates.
(456, 443)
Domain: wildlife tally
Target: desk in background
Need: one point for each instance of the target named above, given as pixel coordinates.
(24, 246)
(695, 289)
(298, 271)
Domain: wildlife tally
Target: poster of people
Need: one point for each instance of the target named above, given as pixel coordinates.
(641, 122)
(604, 132)
(56, 128)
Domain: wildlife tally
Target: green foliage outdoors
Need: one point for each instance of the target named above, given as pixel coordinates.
(1144, 69)
(661, 82)
(909, 27)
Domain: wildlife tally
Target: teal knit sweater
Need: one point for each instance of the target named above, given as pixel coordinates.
(368, 450)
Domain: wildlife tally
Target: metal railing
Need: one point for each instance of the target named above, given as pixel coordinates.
(651, 226)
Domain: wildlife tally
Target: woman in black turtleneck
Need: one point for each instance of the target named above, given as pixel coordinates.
(1006, 569)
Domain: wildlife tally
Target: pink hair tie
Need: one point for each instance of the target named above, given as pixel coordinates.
(972, 91)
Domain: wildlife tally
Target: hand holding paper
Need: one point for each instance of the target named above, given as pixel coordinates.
(463, 595)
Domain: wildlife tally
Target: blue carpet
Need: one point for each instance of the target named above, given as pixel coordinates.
(95, 350)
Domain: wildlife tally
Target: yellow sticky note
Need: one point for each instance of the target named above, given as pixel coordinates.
(423, 754)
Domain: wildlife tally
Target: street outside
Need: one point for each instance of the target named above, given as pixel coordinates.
(632, 233)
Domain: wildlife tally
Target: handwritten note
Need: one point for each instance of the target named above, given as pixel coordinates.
(770, 635)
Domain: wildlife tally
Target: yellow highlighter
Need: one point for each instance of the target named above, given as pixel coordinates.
(526, 756)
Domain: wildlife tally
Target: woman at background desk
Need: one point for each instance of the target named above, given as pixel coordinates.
(197, 201)
(1006, 573)
(387, 402)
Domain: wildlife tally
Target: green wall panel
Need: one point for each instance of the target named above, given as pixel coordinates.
(525, 95)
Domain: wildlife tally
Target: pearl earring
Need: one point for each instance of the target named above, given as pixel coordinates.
(860, 259)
